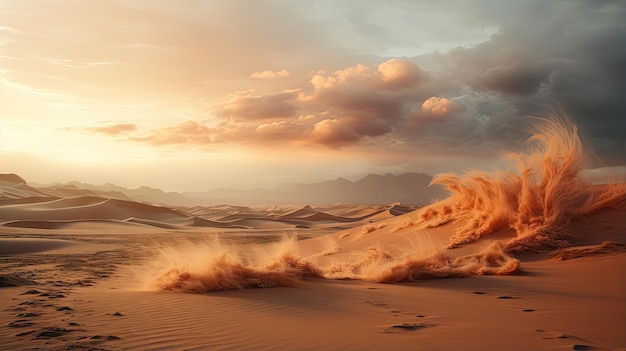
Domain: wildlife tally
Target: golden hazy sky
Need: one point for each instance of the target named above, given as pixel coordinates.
(197, 94)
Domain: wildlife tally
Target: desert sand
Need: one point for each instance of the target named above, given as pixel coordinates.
(531, 258)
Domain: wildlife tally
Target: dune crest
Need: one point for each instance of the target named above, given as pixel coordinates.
(537, 197)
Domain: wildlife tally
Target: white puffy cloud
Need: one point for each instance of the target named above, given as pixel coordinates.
(269, 74)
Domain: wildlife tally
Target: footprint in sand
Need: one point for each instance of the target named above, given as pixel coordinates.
(379, 304)
(52, 332)
(578, 347)
(31, 292)
(20, 323)
(588, 348)
(407, 327)
(25, 333)
(16, 309)
(28, 314)
(556, 335)
(52, 295)
(105, 337)
(508, 297)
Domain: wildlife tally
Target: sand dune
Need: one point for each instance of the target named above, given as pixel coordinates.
(32, 210)
(70, 190)
(538, 218)
(309, 214)
(12, 186)
(576, 304)
(64, 203)
(152, 223)
(37, 224)
(285, 217)
(4, 201)
(303, 212)
(201, 222)
(90, 225)
(88, 208)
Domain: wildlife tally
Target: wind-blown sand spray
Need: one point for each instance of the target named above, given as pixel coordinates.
(213, 266)
(381, 266)
(537, 198)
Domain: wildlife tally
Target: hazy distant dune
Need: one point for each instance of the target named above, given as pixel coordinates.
(30, 210)
(92, 225)
(201, 222)
(86, 208)
(5, 201)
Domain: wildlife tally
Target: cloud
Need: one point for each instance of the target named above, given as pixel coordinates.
(333, 133)
(114, 129)
(187, 132)
(346, 107)
(282, 105)
(393, 74)
(370, 102)
(9, 29)
(558, 54)
(516, 77)
(400, 74)
(336, 109)
(475, 97)
(438, 106)
(269, 74)
(281, 131)
(180, 48)
(433, 110)
(373, 79)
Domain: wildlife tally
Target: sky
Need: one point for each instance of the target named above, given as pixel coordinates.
(201, 94)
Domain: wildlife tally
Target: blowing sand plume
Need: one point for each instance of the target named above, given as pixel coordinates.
(537, 197)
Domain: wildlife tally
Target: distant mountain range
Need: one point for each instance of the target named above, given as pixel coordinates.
(407, 188)
(410, 188)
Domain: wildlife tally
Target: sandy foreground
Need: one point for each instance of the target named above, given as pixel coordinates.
(92, 287)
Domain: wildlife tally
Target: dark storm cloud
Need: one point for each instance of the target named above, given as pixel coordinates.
(564, 55)
(516, 77)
